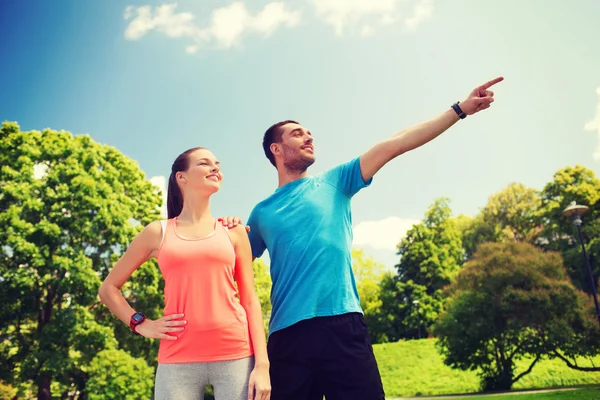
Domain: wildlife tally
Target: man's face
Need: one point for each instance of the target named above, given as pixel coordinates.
(297, 150)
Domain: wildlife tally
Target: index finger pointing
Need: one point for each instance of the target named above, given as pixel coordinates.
(492, 82)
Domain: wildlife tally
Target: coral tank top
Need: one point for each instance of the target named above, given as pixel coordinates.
(199, 283)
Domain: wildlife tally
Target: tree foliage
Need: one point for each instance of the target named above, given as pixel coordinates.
(369, 275)
(114, 374)
(431, 253)
(511, 214)
(431, 256)
(262, 284)
(577, 184)
(67, 208)
(512, 300)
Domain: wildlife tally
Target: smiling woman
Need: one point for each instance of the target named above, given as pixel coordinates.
(207, 335)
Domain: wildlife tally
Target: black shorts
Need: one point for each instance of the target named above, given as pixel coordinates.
(324, 356)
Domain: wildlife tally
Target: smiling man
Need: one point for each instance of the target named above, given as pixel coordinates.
(318, 340)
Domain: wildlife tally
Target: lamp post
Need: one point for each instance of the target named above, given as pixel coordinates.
(416, 303)
(575, 211)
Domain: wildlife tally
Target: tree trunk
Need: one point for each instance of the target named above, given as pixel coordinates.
(44, 388)
(501, 378)
(43, 318)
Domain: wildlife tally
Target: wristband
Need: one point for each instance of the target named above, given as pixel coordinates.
(458, 110)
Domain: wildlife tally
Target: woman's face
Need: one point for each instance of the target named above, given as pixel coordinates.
(203, 173)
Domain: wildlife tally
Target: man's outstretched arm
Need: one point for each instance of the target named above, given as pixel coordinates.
(417, 135)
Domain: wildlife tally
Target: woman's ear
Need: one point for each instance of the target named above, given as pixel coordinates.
(180, 177)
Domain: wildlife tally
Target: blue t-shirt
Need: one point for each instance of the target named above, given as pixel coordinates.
(306, 225)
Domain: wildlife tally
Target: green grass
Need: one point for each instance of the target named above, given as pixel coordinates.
(415, 368)
(579, 394)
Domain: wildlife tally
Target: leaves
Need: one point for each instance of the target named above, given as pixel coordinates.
(431, 256)
(511, 300)
(577, 184)
(262, 285)
(114, 374)
(66, 206)
(369, 274)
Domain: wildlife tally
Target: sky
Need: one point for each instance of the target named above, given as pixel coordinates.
(155, 78)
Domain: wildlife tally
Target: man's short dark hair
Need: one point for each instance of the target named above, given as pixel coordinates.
(273, 135)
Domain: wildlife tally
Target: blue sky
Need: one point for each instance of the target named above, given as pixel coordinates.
(154, 78)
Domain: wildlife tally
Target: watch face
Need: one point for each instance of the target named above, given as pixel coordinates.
(138, 317)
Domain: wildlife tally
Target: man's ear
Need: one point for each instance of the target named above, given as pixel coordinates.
(275, 148)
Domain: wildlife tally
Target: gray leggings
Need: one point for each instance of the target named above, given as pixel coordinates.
(187, 381)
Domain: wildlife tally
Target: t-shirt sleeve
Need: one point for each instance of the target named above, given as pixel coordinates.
(256, 241)
(347, 177)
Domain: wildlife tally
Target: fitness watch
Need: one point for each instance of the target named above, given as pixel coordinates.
(135, 320)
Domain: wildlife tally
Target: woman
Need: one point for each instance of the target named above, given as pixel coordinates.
(207, 335)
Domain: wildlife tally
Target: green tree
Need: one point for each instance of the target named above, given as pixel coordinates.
(474, 231)
(262, 284)
(114, 374)
(369, 274)
(7, 391)
(513, 212)
(431, 253)
(431, 256)
(510, 301)
(510, 214)
(66, 207)
(577, 184)
(387, 325)
(144, 291)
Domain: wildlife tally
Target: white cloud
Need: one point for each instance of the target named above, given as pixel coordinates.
(383, 234)
(227, 24)
(594, 126)
(273, 15)
(422, 11)
(387, 19)
(161, 183)
(164, 20)
(225, 29)
(192, 49)
(367, 30)
(344, 14)
(340, 13)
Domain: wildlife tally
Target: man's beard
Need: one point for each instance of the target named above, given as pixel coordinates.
(299, 163)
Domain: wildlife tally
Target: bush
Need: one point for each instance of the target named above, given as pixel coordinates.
(114, 374)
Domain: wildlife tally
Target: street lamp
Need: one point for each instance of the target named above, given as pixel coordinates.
(416, 303)
(575, 211)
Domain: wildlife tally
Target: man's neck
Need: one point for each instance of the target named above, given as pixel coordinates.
(286, 175)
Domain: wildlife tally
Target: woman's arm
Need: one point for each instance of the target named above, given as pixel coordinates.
(143, 247)
(248, 298)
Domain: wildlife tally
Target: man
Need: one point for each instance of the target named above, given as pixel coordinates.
(318, 340)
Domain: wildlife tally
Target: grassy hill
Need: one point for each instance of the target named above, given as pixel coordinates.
(415, 368)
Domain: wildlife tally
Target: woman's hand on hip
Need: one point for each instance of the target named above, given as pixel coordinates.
(160, 328)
